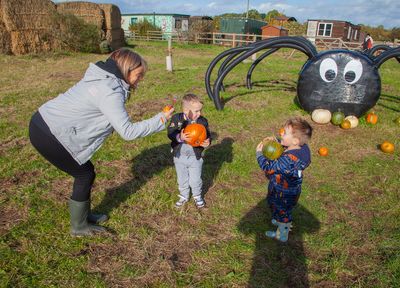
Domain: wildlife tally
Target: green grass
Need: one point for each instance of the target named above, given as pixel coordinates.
(346, 225)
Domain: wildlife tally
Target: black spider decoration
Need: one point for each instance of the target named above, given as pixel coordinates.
(334, 80)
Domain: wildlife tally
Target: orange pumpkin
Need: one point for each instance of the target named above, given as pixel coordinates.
(387, 147)
(346, 124)
(323, 151)
(281, 131)
(272, 149)
(197, 134)
(372, 118)
(167, 108)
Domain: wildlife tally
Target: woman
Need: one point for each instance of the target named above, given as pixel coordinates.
(70, 128)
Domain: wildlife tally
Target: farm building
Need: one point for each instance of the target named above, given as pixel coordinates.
(343, 30)
(241, 26)
(269, 31)
(166, 22)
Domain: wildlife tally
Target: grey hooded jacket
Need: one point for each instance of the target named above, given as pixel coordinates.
(84, 116)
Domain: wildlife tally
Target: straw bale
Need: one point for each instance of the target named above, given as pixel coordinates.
(27, 14)
(115, 34)
(91, 13)
(112, 16)
(5, 39)
(32, 41)
(115, 38)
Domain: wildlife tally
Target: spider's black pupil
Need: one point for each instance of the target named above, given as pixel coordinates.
(330, 75)
(350, 76)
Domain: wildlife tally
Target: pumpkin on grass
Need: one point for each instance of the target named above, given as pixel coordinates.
(337, 118)
(353, 121)
(272, 149)
(387, 147)
(323, 151)
(197, 134)
(371, 118)
(346, 124)
(321, 116)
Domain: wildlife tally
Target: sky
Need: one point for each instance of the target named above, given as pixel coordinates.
(368, 12)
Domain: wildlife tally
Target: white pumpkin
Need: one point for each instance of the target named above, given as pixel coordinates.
(353, 121)
(321, 116)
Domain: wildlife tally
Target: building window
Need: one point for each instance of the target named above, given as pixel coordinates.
(178, 23)
(355, 34)
(349, 33)
(325, 29)
(133, 20)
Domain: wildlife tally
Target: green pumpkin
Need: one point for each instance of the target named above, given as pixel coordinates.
(337, 118)
(272, 149)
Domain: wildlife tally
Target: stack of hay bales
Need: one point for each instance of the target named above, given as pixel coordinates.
(26, 26)
(106, 17)
(89, 12)
(30, 26)
(114, 33)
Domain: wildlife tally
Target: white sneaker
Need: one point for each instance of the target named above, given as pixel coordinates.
(180, 202)
(199, 201)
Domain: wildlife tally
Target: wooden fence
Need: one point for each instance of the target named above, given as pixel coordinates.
(231, 39)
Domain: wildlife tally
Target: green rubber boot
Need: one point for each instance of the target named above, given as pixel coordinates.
(96, 218)
(79, 212)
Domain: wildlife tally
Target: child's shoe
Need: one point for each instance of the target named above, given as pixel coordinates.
(274, 222)
(282, 233)
(199, 201)
(181, 202)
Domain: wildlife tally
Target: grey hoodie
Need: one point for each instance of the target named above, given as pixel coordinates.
(84, 116)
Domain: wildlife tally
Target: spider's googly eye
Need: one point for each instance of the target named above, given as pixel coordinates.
(328, 70)
(353, 71)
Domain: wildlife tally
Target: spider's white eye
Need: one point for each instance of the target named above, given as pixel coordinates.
(353, 71)
(328, 70)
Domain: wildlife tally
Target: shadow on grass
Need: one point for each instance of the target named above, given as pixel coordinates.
(270, 85)
(389, 99)
(215, 156)
(277, 264)
(145, 166)
(153, 161)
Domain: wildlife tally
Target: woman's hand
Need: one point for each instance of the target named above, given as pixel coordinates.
(205, 143)
(168, 113)
(259, 147)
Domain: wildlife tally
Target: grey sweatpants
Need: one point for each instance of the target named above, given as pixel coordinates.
(188, 172)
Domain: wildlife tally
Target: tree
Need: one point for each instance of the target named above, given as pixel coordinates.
(271, 14)
(254, 14)
(395, 33)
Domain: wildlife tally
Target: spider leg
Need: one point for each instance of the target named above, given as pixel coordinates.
(255, 63)
(298, 43)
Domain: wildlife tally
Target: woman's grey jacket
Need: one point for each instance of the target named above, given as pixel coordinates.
(84, 116)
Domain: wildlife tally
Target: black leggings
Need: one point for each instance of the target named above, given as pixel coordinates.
(49, 147)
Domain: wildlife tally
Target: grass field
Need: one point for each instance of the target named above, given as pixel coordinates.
(346, 228)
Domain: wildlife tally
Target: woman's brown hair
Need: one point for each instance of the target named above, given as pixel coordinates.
(127, 60)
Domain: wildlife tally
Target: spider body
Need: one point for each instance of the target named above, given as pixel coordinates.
(339, 80)
(335, 80)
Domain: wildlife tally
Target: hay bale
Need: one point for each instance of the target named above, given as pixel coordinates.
(112, 16)
(5, 39)
(27, 14)
(32, 41)
(115, 38)
(91, 13)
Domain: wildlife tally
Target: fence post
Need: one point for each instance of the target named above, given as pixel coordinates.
(213, 37)
(169, 57)
(233, 40)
